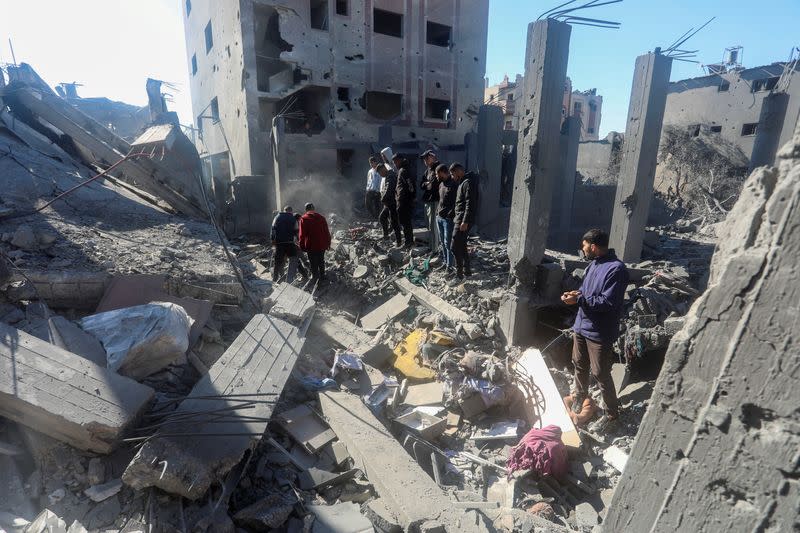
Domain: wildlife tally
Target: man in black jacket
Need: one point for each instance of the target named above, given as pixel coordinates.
(446, 213)
(466, 210)
(389, 213)
(430, 196)
(283, 233)
(405, 194)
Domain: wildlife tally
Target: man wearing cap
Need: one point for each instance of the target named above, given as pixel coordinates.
(389, 213)
(282, 234)
(372, 198)
(430, 196)
(404, 195)
(466, 212)
(315, 238)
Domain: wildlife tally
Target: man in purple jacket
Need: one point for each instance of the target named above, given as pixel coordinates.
(599, 302)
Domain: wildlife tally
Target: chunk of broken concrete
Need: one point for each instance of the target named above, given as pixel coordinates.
(24, 238)
(99, 493)
(143, 339)
(266, 514)
(339, 518)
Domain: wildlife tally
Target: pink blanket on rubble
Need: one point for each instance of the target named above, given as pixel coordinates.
(542, 451)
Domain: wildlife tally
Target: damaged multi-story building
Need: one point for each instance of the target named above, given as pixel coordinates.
(585, 105)
(307, 89)
(753, 108)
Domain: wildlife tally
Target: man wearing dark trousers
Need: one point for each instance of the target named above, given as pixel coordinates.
(315, 238)
(282, 234)
(430, 196)
(447, 211)
(599, 302)
(405, 195)
(466, 211)
(388, 200)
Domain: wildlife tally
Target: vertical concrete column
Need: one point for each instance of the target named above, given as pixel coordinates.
(278, 158)
(639, 152)
(489, 166)
(560, 218)
(768, 133)
(538, 167)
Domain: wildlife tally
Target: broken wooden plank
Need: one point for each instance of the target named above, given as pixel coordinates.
(543, 403)
(64, 395)
(186, 456)
(431, 301)
(389, 310)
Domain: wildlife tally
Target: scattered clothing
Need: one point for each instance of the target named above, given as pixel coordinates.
(541, 451)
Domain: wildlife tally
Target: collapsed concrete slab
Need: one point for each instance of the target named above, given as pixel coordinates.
(193, 449)
(407, 491)
(389, 310)
(290, 303)
(64, 395)
(431, 301)
(717, 449)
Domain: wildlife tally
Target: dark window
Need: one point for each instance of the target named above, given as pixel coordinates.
(214, 109)
(758, 85)
(770, 83)
(577, 108)
(209, 37)
(438, 34)
(592, 106)
(694, 130)
(589, 130)
(194, 64)
(343, 94)
(716, 129)
(510, 97)
(387, 23)
(383, 106)
(438, 109)
(344, 160)
(319, 14)
(200, 125)
(749, 129)
(341, 7)
(188, 7)
(724, 85)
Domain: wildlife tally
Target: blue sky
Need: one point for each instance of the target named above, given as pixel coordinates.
(601, 58)
(112, 46)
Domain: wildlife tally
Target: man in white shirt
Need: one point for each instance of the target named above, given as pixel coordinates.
(372, 199)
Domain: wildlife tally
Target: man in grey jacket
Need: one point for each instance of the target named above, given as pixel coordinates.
(466, 212)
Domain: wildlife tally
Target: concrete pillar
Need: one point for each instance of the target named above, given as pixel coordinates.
(538, 167)
(770, 125)
(639, 152)
(489, 166)
(561, 214)
(278, 159)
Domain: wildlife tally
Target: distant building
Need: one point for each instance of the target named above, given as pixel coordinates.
(586, 105)
(331, 74)
(754, 108)
(504, 95)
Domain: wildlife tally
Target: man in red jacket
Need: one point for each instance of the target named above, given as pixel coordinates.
(315, 238)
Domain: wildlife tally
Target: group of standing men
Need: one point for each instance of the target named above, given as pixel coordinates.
(450, 195)
(296, 236)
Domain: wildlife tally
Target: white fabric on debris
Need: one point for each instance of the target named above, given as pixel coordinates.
(143, 339)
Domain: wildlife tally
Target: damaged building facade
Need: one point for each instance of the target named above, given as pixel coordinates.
(754, 108)
(276, 102)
